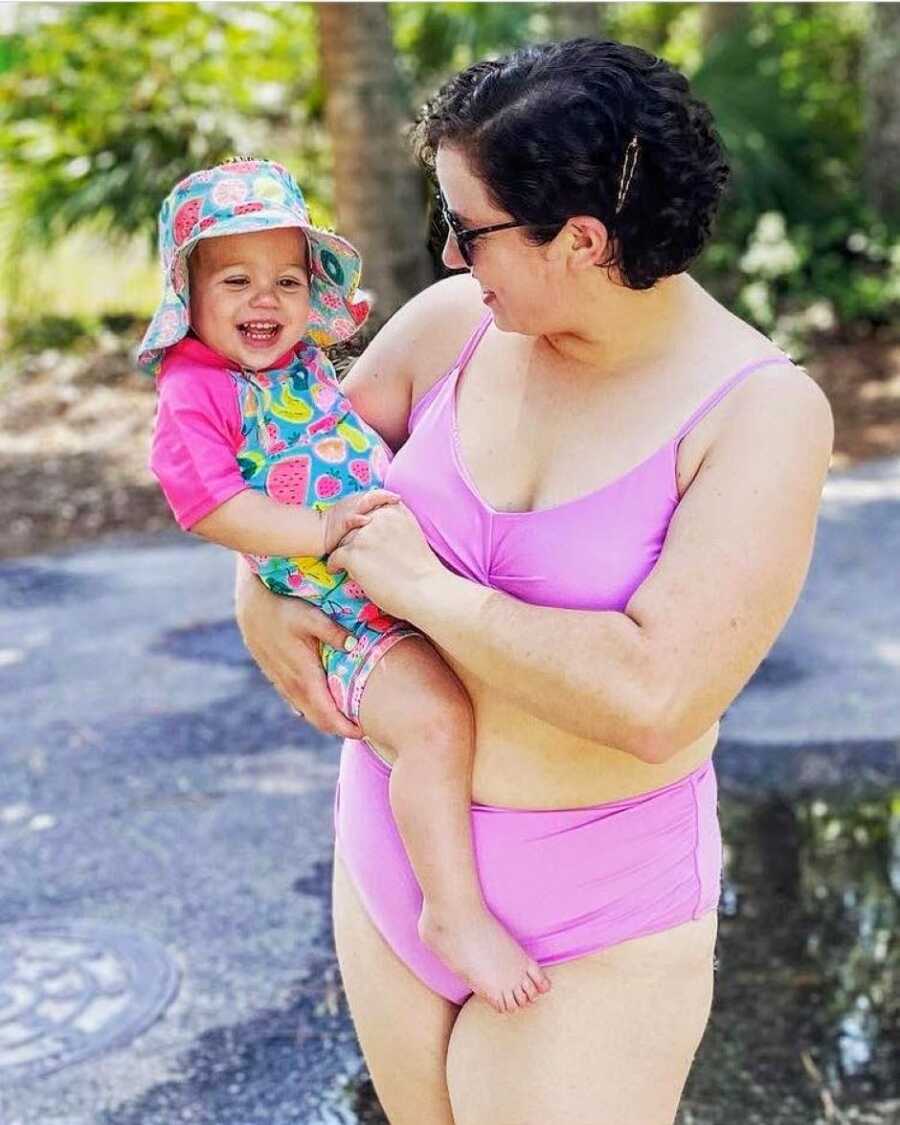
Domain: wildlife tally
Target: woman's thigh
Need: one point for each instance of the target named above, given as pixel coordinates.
(610, 1044)
(403, 1027)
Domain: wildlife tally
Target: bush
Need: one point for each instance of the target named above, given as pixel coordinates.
(122, 323)
(49, 331)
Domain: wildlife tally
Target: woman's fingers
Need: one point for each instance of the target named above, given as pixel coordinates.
(283, 635)
(306, 687)
(312, 624)
(320, 710)
(377, 498)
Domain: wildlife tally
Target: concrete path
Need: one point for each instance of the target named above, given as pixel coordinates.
(155, 793)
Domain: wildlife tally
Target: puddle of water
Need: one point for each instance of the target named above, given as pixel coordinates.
(806, 1019)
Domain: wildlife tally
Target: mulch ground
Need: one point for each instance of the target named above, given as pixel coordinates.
(75, 432)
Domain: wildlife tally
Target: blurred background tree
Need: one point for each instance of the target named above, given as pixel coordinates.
(378, 192)
(104, 106)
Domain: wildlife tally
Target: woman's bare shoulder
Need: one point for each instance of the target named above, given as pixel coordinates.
(432, 328)
(412, 350)
(424, 334)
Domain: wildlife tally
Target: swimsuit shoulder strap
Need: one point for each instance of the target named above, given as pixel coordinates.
(723, 390)
(473, 341)
(458, 364)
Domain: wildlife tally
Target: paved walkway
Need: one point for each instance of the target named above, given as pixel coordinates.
(165, 824)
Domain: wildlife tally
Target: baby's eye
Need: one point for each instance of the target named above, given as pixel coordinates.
(293, 283)
(235, 280)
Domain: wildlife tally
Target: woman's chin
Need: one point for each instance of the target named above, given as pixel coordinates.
(501, 319)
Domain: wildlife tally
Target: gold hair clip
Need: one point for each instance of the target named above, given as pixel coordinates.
(631, 152)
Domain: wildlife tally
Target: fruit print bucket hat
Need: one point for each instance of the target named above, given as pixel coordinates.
(239, 197)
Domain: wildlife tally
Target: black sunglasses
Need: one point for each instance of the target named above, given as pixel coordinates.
(465, 236)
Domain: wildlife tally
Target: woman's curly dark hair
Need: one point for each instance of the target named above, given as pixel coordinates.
(546, 129)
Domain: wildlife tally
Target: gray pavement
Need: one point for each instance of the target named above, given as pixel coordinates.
(153, 787)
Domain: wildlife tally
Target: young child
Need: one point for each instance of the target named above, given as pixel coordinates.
(257, 449)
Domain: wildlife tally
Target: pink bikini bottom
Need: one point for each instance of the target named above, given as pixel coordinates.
(565, 882)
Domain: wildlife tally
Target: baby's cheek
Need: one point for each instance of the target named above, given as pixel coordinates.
(207, 319)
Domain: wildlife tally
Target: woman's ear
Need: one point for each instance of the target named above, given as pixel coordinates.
(587, 241)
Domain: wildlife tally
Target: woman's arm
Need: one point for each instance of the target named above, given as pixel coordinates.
(654, 678)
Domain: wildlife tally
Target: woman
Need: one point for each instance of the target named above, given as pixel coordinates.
(610, 490)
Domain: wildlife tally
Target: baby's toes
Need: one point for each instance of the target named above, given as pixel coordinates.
(495, 999)
(522, 997)
(510, 1001)
(540, 978)
(530, 989)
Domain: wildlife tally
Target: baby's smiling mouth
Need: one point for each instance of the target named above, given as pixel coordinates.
(259, 332)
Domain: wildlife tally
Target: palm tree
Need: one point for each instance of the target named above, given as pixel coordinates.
(881, 65)
(572, 20)
(378, 192)
(720, 19)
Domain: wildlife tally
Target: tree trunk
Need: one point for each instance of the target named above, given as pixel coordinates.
(572, 20)
(719, 19)
(378, 190)
(881, 66)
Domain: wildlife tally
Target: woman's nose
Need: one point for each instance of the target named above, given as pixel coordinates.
(451, 256)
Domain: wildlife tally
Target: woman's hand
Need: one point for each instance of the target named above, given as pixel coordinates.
(282, 635)
(347, 513)
(389, 557)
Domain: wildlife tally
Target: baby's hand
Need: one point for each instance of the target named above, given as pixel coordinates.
(352, 512)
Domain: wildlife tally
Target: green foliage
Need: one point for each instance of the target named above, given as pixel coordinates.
(104, 106)
(120, 322)
(434, 40)
(672, 30)
(37, 333)
(784, 84)
(49, 331)
(784, 87)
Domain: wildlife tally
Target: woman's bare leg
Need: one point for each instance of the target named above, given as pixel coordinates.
(612, 1044)
(403, 1027)
(415, 711)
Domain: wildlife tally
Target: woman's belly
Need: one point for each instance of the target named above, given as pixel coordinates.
(523, 762)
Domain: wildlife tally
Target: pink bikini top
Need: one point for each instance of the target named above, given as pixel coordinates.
(588, 553)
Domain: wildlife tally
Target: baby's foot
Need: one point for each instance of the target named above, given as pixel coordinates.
(476, 947)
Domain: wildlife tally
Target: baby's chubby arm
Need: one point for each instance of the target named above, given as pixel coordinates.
(414, 348)
(196, 435)
(256, 525)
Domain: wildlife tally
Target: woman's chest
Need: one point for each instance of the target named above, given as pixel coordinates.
(530, 440)
(590, 552)
(523, 451)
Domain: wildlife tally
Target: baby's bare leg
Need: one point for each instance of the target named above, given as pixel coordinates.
(416, 713)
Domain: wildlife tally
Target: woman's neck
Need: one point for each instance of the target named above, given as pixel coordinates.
(633, 329)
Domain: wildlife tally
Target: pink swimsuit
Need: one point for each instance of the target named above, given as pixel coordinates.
(565, 882)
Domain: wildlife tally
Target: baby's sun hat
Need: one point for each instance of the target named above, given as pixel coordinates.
(239, 197)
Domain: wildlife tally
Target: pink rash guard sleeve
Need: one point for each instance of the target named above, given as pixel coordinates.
(196, 437)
